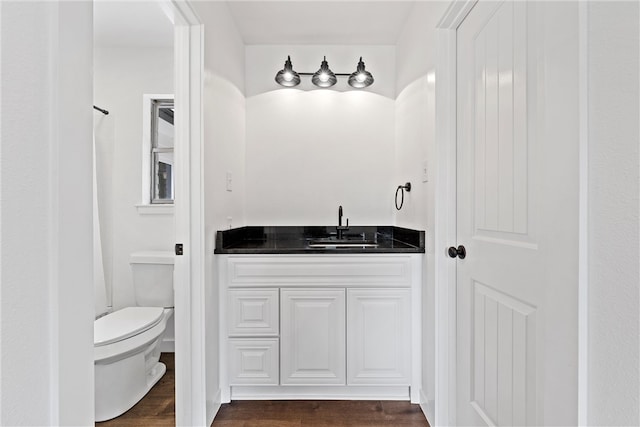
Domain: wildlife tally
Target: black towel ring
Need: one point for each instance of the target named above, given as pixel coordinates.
(401, 188)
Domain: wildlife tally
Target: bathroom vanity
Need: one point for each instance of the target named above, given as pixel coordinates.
(305, 314)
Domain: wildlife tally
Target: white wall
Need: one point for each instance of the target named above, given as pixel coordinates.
(415, 143)
(224, 119)
(416, 46)
(224, 150)
(46, 306)
(121, 76)
(310, 150)
(614, 272)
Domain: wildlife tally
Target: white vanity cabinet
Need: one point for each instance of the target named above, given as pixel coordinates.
(320, 326)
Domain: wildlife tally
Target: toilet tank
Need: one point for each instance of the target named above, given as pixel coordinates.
(153, 278)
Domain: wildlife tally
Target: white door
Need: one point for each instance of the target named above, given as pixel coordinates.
(379, 336)
(517, 214)
(312, 341)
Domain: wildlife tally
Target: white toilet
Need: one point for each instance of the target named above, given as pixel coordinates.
(127, 342)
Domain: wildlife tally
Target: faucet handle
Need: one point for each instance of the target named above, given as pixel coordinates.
(340, 228)
(343, 227)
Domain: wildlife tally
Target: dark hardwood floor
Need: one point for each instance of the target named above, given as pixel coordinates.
(157, 408)
(330, 413)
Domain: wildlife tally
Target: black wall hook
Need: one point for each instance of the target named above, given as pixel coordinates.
(102, 110)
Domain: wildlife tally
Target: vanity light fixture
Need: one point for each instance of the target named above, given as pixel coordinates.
(361, 78)
(286, 76)
(324, 77)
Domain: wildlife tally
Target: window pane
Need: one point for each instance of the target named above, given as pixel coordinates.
(162, 144)
(163, 174)
(164, 134)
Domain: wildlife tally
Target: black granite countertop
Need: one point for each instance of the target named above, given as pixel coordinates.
(318, 239)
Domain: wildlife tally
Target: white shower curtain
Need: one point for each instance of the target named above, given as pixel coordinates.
(99, 283)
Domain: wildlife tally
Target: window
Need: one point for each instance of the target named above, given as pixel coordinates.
(162, 138)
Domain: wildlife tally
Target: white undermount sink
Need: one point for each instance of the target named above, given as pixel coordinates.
(342, 243)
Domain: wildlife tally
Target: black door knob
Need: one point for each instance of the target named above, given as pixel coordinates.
(459, 252)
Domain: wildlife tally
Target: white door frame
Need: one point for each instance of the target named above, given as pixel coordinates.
(446, 213)
(190, 388)
(583, 209)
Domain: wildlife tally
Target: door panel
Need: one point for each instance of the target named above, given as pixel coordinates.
(313, 336)
(379, 336)
(500, 328)
(500, 145)
(516, 289)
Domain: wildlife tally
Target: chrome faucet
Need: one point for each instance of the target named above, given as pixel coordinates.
(340, 229)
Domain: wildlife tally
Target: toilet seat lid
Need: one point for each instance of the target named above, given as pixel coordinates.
(125, 323)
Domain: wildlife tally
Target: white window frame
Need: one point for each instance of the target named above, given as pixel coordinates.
(146, 207)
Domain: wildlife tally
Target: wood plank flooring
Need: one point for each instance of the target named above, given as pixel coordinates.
(157, 408)
(329, 413)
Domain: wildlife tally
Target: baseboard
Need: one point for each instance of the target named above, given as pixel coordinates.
(428, 408)
(319, 392)
(213, 406)
(168, 345)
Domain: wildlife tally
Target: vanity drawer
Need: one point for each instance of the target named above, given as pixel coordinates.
(253, 361)
(253, 312)
(348, 270)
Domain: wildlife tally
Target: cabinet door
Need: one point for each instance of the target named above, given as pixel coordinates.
(312, 344)
(378, 336)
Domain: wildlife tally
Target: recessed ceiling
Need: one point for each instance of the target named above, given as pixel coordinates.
(131, 24)
(320, 22)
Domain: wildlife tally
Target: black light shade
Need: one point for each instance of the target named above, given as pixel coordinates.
(361, 78)
(286, 76)
(324, 77)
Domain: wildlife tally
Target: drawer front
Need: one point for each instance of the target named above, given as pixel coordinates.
(253, 361)
(387, 271)
(253, 312)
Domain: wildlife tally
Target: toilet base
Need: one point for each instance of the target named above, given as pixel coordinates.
(124, 391)
(124, 378)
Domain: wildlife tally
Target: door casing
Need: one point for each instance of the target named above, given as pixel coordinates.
(192, 407)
